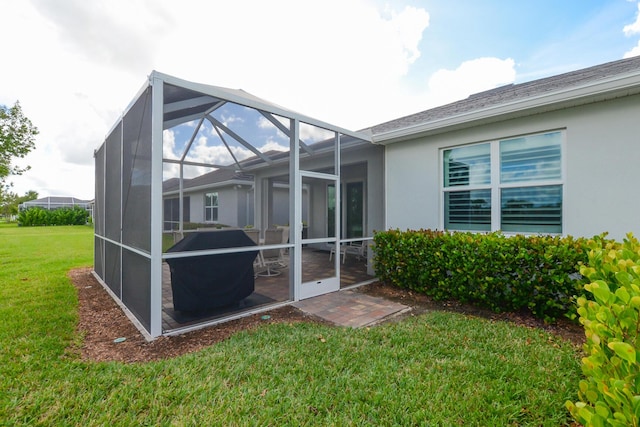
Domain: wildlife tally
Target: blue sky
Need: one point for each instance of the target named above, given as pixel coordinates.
(543, 37)
(74, 65)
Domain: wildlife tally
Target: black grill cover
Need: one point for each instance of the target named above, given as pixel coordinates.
(205, 282)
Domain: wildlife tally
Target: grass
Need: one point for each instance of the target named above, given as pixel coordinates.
(434, 369)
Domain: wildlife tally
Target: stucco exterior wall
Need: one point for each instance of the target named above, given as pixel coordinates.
(234, 206)
(197, 207)
(601, 168)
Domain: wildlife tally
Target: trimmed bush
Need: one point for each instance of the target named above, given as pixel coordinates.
(610, 394)
(502, 273)
(37, 216)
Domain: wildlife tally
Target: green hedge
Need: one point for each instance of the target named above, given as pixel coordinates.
(64, 216)
(502, 273)
(610, 393)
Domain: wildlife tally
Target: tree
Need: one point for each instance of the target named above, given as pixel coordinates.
(17, 139)
(10, 201)
(7, 201)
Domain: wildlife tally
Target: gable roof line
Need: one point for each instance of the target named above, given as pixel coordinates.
(623, 84)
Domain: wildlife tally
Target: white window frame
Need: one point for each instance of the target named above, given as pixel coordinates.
(496, 187)
(211, 208)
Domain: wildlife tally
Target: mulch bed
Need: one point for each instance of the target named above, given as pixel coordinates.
(101, 321)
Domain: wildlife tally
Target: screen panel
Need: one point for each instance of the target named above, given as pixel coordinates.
(136, 286)
(113, 181)
(136, 174)
(98, 257)
(112, 268)
(99, 192)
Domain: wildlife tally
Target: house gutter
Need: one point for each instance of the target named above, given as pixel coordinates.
(601, 90)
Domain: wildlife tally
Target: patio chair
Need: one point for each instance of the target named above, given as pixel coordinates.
(272, 258)
(254, 234)
(356, 248)
(343, 252)
(285, 235)
(359, 249)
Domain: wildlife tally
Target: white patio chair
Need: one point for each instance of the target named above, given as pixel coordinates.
(356, 248)
(254, 234)
(285, 235)
(272, 258)
(343, 252)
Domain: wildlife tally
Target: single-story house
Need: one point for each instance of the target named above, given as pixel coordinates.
(222, 196)
(57, 202)
(556, 155)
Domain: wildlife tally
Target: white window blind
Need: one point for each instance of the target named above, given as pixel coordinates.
(468, 210)
(467, 165)
(532, 209)
(529, 190)
(530, 158)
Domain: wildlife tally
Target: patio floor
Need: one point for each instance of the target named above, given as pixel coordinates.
(352, 309)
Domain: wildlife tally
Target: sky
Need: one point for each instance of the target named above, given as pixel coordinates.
(75, 65)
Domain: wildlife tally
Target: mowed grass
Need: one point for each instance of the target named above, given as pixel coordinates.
(437, 369)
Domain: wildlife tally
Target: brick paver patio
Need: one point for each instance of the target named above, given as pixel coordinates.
(350, 308)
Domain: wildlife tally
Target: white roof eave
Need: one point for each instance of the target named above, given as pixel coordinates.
(215, 185)
(570, 97)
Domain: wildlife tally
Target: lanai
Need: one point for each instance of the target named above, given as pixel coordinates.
(178, 130)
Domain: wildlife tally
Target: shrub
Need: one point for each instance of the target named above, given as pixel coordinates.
(610, 393)
(502, 273)
(64, 216)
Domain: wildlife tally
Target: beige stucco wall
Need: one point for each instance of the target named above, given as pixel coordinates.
(601, 167)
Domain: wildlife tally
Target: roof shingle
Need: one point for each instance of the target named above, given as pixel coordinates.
(514, 92)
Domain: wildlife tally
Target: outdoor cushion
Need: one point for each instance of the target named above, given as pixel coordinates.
(205, 282)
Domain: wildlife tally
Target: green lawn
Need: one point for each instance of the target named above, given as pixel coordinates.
(437, 369)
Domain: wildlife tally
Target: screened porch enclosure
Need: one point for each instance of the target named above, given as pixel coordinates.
(212, 204)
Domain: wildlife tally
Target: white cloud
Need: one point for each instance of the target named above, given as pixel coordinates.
(169, 144)
(76, 65)
(633, 52)
(263, 123)
(227, 120)
(273, 145)
(203, 151)
(90, 29)
(630, 30)
(634, 28)
(311, 134)
(408, 26)
(470, 77)
(324, 59)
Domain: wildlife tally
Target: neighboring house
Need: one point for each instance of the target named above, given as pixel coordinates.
(227, 197)
(221, 197)
(558, 155)
(224, 197)
(53, 202)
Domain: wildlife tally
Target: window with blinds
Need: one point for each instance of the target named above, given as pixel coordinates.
(467, 166)
(468, 210)
(530, 158)
(520, 177)
(532, 209)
